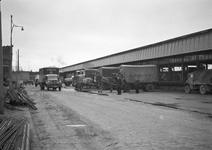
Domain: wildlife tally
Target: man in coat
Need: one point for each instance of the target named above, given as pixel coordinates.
(119, 84)
(136, 85)
(100, 84)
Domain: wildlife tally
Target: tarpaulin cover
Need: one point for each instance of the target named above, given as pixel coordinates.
(203, 77)
(144, 73)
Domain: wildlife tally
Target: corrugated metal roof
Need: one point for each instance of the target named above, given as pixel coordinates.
(199, 41)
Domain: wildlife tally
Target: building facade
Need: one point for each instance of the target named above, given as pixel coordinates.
(7, 61)
(175, 57)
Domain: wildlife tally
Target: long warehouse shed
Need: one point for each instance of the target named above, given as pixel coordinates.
(193, 48)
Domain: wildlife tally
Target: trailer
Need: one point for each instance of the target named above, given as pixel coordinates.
(146, 74)
(49, 78)
(199, 80)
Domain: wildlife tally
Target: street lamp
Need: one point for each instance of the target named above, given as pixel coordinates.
(11, 45)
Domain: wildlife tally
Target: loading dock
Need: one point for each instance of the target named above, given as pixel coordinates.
(175, 58)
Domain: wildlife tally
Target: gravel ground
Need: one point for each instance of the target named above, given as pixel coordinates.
(156, 120)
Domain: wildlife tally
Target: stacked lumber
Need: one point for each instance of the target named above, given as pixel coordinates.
(16, 96)
(14, 133)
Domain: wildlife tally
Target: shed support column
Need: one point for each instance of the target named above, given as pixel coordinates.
(183, 70)
(198, 65)
(170, 72)
(1, 70)
(158, 66)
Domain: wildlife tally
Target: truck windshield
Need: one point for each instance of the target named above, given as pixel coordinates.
(52, 78)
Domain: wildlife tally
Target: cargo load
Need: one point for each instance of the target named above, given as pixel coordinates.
(84, 79)
(146, 74)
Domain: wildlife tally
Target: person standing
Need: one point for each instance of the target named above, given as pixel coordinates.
(100, 84)
(119, 84)
(136, 85)
(94, 78)
(111, 88)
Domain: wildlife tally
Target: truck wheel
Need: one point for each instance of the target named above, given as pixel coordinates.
(187, 89)
(127, 88)
(59, 88)
(150, 87)
(202, 89)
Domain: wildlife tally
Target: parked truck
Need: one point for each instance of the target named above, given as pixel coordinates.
(109, 74)
(79, 77)
(49, 78)
(146, 74)
(199, 80)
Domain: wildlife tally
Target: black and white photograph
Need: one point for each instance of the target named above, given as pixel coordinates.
(106, 75)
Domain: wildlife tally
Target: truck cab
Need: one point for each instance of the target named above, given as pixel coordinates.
(199, 80)
(51, 81)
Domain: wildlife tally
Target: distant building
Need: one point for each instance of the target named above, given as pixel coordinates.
(7, 61)
(23, 75)
(20, 76)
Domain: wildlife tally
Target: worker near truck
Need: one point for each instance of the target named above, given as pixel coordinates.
(119, 84)
(136, 85)
(100, 83)
(111, 88)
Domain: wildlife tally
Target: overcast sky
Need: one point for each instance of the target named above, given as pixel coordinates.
(66, 32)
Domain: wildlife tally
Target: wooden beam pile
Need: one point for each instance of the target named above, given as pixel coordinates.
(14, 133)
(14, 97)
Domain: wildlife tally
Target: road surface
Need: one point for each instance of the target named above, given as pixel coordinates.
(71, 120)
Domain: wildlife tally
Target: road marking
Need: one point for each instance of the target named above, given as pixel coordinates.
(76, 125)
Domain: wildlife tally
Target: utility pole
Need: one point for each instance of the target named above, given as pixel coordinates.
(11, 41)
(18, 60)
(1, 69)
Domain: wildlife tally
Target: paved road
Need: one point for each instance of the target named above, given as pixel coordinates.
(156, 120)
